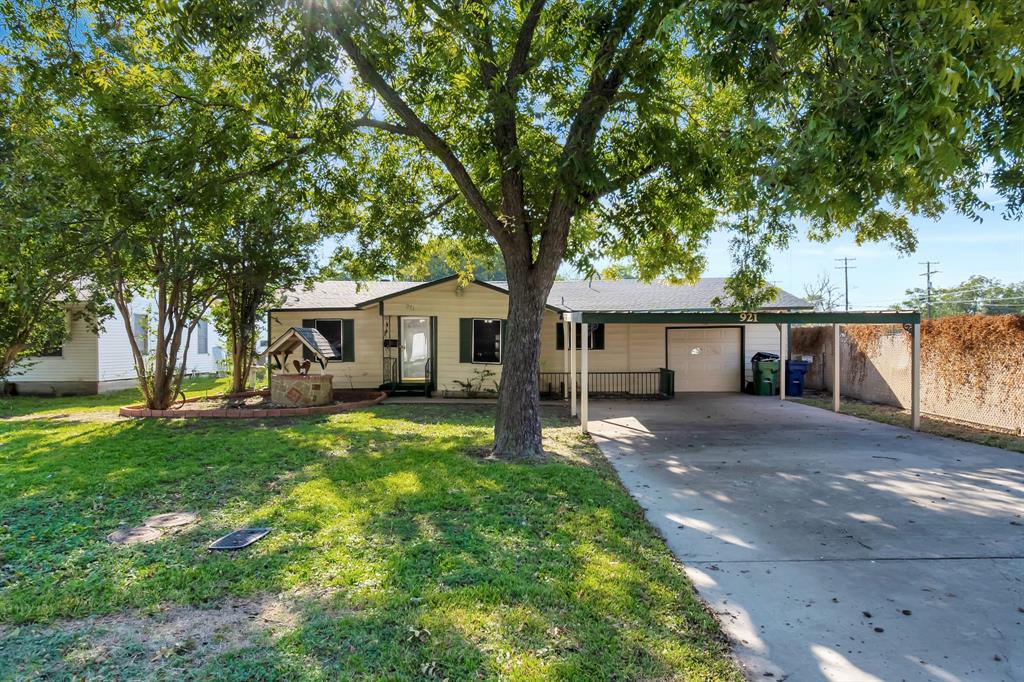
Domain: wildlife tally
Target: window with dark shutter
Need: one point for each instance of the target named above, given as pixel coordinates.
(348, 341)
(307, 354)
(331, 330)
(487, 341)
(466, 339)
(595, 333)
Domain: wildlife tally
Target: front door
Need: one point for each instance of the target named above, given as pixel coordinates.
(415, 337)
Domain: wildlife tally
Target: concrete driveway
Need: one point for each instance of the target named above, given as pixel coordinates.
(833, 548)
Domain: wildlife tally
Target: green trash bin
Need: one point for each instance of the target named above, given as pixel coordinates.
(766, 374)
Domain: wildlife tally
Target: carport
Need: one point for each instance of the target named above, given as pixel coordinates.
(911, 321)
(831, 547)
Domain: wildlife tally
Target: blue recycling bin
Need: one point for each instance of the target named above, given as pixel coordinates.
(795, 371)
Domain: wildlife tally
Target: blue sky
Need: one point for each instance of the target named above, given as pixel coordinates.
(994, 247)
(880, 276)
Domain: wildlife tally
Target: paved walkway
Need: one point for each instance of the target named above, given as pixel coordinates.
(833, 548)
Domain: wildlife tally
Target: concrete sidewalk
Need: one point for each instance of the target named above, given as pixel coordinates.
(833, 548)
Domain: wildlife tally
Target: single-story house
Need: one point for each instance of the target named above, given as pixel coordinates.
(89, 362)
(444, 336)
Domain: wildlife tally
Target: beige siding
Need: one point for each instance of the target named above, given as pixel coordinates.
(641, 347)
(366, 371)
(759, 337)
(77, 363)
(448, 303)
(628, 347)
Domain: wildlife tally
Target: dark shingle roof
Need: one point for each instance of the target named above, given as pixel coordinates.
(317, 340)
(296, 336)
(596, 295)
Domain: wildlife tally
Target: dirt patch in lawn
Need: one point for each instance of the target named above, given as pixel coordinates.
(262, 401)
(174, 639)
(255, 404)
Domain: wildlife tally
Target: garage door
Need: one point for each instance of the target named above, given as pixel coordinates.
(705, 359)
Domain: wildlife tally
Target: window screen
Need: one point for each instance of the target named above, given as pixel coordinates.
(487, 341)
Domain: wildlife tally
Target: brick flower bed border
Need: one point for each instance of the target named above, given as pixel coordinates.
(249, 413)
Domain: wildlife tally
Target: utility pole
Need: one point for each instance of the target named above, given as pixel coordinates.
(846, 267)
(927, 274)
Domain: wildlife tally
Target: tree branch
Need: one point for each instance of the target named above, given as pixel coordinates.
(524, 42)
(425, 134)
(607, 75)
(381, 125)
(622, 182)
(503, 106)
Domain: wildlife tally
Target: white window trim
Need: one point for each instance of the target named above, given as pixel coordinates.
(501, 340)
(341, 335)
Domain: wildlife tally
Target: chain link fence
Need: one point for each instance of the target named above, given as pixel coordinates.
(972, 367)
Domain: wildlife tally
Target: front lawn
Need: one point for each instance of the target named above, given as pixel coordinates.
(396, 553)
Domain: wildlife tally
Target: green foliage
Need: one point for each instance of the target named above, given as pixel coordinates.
(619, 271)
(46, 247)
(263, 244)
(442, 257)
(154, 140)
(976, 295)
(394, 551)
(478, 383)
(715, 115)
(553, 130)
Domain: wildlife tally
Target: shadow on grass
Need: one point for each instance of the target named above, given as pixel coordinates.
(439, 565)
(18, 406)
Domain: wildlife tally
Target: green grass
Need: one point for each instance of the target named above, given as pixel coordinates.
(43, 405)
(401, 555)
(939, 427)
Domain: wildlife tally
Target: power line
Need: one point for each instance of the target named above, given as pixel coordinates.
(983, 301)
(846, 267)
(928, 275)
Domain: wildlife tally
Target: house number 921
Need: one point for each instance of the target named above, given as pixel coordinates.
(748, 317)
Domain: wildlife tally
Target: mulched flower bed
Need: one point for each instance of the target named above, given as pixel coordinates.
(255, 404)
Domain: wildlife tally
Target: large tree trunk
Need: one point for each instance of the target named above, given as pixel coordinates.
(7, 357)
(517, 431)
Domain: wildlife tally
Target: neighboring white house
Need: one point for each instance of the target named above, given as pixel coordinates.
(88, 362)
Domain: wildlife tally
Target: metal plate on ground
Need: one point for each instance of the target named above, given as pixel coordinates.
(239, 538)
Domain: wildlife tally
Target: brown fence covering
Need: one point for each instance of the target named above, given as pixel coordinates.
(972, 367)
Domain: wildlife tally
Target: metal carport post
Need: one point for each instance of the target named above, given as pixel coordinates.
(910, 319)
